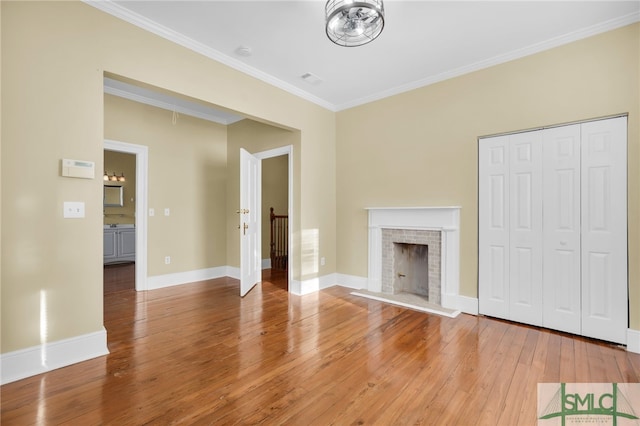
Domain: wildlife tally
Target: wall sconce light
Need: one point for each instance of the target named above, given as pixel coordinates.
(113, 178)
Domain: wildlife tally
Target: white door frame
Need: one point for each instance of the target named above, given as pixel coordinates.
(277, 152)
(142, 172)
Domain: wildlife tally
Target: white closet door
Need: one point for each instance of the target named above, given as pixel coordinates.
(493, 226)
(525, 227)
(561, 237)
(604, 229)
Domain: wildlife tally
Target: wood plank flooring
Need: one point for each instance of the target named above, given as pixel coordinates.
(200, 354)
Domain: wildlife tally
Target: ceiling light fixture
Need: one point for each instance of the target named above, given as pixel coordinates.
(353, 23)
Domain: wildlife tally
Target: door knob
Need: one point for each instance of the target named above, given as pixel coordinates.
(242, 211)
(244, 230)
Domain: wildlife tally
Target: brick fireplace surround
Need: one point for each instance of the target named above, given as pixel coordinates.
(418, 225)
(411, 236)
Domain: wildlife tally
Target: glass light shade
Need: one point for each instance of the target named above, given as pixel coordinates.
(353, 23)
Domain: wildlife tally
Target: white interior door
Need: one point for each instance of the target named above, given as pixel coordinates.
(561, 237)
(249, 224)
(552, 228)
(604, 229)
(493, 226)
(525, 227)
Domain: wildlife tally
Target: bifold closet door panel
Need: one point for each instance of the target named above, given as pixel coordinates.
(525, 227)
(552, 228)
(604, 229)
(493, 226)
(561, 236)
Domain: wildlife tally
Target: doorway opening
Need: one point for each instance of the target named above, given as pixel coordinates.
(125, 227)
(276, 182)
(119, 227)
(275, 220)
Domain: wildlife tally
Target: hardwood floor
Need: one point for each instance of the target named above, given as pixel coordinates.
(200, 354)
(276, 277)
(118, 277)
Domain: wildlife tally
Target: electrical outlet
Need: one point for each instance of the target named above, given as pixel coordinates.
(167, 260)
(167, 212)
(322, 261)
(152, 212)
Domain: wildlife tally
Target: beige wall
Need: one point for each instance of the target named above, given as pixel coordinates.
(187, 174)
(420, 148)
(119, 163)
(54, 56)
(275, 181)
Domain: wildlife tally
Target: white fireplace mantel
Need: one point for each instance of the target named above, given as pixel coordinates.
(444, 219)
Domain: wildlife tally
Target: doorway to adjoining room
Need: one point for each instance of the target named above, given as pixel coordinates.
(119, 221)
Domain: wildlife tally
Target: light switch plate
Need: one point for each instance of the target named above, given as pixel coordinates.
(73, 209)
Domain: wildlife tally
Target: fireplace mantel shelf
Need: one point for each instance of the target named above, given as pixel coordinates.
(445, 218)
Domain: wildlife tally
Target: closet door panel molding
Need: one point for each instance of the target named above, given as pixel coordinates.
(525, 230)
(604, 229)
(493, 217)
(561, 236)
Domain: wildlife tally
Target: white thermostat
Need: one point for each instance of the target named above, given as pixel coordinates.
(78, 169)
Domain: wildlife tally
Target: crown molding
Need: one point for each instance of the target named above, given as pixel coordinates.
(140, 21)
(602, 27)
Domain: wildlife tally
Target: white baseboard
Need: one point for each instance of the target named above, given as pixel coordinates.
(50, 356)
(232, 272)
(352, 281)
(266, 263)
(168, 280)
(295, 287)
(633, 340)
(468, 305)
(312, 285)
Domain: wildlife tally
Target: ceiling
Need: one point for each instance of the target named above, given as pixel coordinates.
(423, 42)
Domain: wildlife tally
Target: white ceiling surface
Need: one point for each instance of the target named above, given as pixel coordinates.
(423, 42)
